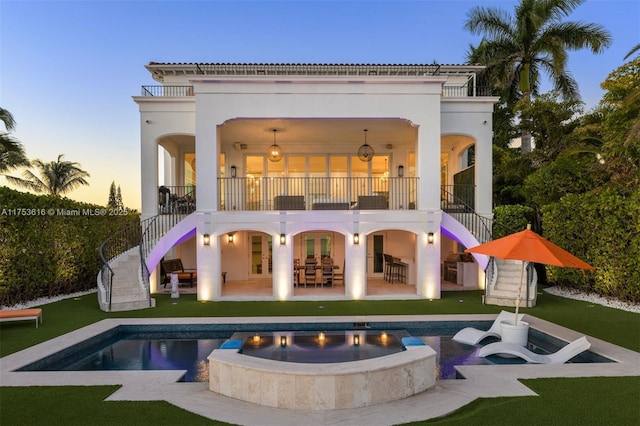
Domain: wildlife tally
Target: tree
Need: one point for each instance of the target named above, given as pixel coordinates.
(115, 197)
(518, 49)
(12, 153)
(56, 178)
(620, 108)
(635, 49)
(551, 122)
(112, 203)
(119, 203)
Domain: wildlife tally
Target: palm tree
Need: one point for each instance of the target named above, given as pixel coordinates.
(632, 51)
(56, 178)
(518, 49)
(12, 153)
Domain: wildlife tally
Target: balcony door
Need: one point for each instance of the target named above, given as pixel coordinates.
(261, 255)
(317, 245)
(375, 258)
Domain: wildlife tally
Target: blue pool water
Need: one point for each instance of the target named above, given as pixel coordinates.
(186, 347)
(314, 347)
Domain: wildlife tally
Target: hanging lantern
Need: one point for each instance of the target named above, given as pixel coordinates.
(274, 152)
(365, 152)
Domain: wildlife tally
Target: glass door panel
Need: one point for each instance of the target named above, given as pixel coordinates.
(317, 245)
(338, 173)
(378, 251)
(359, 175)
(297, 172)
(261, 255)
(325, 246)
(253, 190)
(380, 175)
(318, 177)
(309, 247)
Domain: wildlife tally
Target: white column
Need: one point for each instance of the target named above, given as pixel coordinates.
(428, 157)
(484, 170)
(148, 171)
(355, 279)
(282, 273)
(207, 158)
(428, 258)
(209, 271)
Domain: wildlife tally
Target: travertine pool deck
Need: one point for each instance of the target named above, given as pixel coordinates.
(445, 397)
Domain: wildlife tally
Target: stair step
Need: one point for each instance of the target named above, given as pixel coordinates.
(131, 305)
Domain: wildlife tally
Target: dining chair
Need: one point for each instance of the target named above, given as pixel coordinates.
(296, 272)
(327, 273)
(310, 272)
(339, 276)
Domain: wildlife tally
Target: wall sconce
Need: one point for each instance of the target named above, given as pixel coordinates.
(283, 239)
(356, 238)
(206, 239)
(230, 237)
(283, 341)
(233, 171)
(356, 340)
(430, 237)
(400, 170)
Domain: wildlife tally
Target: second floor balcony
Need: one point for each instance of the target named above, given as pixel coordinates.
(314, 193)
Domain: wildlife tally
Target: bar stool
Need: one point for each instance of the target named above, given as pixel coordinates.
(388, 267)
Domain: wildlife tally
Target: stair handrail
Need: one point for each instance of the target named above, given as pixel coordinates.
(121, 241)
(156, 226)
(479, 226)
(482, 228)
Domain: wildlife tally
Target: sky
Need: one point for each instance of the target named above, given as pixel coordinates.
(69, 69)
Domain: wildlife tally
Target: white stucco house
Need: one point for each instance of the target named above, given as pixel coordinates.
(250, 169)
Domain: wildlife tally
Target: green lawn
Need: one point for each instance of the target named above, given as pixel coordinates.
(561, 401)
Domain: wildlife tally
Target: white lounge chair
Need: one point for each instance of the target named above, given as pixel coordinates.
(560, 357)
(472, 336)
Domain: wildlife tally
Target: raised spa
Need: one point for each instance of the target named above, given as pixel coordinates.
(321, 371)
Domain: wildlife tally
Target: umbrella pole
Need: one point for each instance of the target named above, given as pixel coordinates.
(519, 293)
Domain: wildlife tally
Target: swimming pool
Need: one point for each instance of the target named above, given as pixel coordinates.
(187, 346)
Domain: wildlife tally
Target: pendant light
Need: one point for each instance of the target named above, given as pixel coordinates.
(274, 152)
(365, 152)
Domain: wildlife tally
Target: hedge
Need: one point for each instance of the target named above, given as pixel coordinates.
(603, 229)
(49, 245)
(510, 218)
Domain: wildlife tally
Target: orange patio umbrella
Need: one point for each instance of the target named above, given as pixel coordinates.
(528, 246)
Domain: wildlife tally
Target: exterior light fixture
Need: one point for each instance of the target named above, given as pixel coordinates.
(283, 239)
(430, 237)
(206, 239)
(274, 152)
(256, 338)
(283, 341)
(233, 171)
(356, 238)
(356, 340)
(365, 152)
(230, 237)
(400, 170)
(322, 337)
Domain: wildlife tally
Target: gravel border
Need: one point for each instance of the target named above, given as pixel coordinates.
(593, 298)
(46, 300)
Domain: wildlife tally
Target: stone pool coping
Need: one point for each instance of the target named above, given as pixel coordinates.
(322, 386)
(445, 397)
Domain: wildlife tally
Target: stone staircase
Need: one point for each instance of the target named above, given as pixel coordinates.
(128, 292)
(503, 291)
